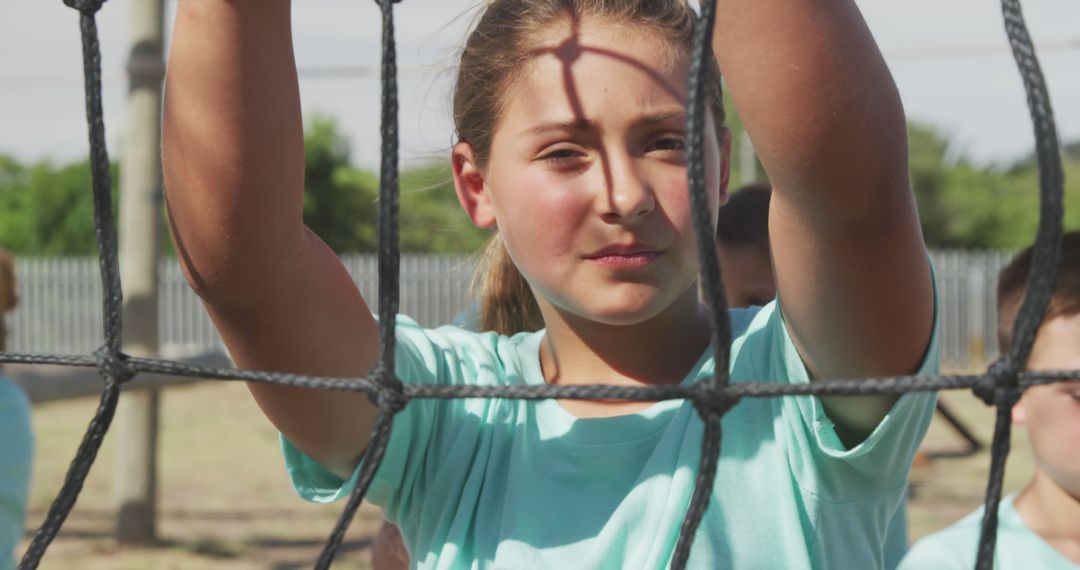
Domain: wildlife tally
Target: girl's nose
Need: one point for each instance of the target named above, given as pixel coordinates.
(628, 196)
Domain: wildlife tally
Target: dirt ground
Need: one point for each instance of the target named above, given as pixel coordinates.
(225, 502)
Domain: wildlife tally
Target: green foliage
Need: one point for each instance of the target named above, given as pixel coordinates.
(929, 179)
(47, 210)
(967, 206)
(431, 218)
(341, 202)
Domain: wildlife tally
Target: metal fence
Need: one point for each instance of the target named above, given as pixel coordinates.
(60, 302)
(967, 301)
(59, 308)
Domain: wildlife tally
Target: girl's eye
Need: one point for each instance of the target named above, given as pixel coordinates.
(668, 144)
(561, 155)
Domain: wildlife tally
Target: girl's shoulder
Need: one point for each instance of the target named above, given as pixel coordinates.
(451, 354)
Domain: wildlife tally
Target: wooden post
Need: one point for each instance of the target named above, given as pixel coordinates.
(136, 429)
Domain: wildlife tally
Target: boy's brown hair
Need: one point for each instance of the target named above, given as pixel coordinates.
(8, 299)
(744, 220)
(1012, 283)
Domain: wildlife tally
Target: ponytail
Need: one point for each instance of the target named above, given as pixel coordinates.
(507, 304)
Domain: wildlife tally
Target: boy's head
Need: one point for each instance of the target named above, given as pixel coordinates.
(1051, 413)
(7, 283)
(742, 247)
(8, 299)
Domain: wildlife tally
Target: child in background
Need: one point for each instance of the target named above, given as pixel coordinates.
(570, 117)
(16, 441)
(1039, 527)
(742, 247)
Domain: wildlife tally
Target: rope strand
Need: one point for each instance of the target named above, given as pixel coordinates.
(1001, 385)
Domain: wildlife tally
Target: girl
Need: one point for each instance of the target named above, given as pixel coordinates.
(570, 118)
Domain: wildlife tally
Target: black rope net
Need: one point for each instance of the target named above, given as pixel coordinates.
(1001, 386)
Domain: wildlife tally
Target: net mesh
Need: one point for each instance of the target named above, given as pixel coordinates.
(1001, 386)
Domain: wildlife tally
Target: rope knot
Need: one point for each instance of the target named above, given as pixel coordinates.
(389, 393)
(85, 7)
(115, 366)
(999, 387)
(711, 400)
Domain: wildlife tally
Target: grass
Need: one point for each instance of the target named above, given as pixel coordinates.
(225, 502)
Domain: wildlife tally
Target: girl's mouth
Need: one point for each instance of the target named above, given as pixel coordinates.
(625, 257)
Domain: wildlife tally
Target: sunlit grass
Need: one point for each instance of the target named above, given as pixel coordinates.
(225, 501)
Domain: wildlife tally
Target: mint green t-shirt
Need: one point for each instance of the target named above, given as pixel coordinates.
(16, 450)
(524, 484)
(956, 547)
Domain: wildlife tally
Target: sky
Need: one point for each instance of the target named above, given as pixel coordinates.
(950, 60)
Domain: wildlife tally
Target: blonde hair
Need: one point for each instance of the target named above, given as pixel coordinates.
(494, 54)
(507, 303)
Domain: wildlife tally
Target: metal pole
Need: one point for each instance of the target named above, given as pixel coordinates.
(135, 483)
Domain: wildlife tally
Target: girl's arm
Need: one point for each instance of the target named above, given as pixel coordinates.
(826, 120)
(234, 175)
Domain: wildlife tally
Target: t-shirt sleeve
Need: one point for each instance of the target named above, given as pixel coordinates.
(820, 462)
(419, 358)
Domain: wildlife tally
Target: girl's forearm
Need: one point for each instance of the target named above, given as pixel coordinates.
(233, 139)
(816, 96)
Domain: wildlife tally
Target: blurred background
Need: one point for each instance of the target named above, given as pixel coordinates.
(218, 496)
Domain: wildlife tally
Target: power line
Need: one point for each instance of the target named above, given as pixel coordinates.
(371, 72)
(118, 78)
(976, 50)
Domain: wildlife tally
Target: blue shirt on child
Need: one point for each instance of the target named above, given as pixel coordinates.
(16, 451)
(1018, 547)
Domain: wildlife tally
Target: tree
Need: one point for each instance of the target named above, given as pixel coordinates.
(48, 210)
(929, 179)
(431, 218)
(45, 210)
(1021, 202)
(963, 205)
(340, 202)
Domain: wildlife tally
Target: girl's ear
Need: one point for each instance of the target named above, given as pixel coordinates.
(472, 190)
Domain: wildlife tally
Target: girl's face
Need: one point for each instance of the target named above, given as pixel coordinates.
(586, 179)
